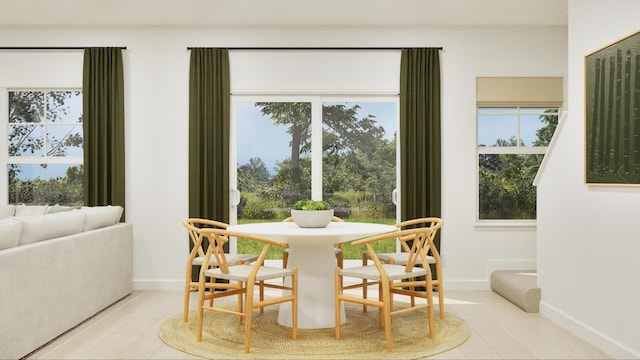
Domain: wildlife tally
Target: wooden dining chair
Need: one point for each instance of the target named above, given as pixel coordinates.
(241, 282)
(401, 258)
(196, 256)
(338, 248)
(392, 279)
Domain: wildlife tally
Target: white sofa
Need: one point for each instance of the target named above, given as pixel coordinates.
(57, 269)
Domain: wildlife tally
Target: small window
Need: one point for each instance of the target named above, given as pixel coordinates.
(510, 147)
(45, 147)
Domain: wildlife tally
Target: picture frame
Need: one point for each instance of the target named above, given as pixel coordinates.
(612, 113)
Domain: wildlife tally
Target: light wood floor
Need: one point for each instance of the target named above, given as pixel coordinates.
(500, 330)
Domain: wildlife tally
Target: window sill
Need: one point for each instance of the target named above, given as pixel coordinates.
(505, 225)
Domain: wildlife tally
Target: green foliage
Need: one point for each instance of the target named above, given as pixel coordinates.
(505, 189)
(262, 209)
(311, 205)
(283, 189)
(66, 191)
(253, 175)
(341, 206)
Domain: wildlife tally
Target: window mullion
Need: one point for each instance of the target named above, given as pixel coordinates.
(316, 148)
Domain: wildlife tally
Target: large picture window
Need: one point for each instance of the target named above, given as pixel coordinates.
(341, 150)
(44, 147)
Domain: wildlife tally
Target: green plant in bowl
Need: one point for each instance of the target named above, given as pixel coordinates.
(311, 205)
(312, 213)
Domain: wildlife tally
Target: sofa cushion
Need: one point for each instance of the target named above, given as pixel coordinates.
(43, 227)
(30, 210)
(101, 216)
(7, 211)
(10, 229)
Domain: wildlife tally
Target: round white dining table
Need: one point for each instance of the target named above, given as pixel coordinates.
(311, 251)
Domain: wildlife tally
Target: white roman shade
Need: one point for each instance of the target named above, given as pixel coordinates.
(519, 91)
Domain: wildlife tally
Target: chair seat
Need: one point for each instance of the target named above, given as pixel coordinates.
(394, 272)
(241, 273)
(402, 258)
(231, 259)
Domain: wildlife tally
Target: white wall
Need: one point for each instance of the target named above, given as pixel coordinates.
(588, 240)
(156, 95)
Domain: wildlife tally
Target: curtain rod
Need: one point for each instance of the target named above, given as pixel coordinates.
(50, 48)
(315, 48)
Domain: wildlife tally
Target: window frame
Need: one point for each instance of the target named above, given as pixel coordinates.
(510, 150)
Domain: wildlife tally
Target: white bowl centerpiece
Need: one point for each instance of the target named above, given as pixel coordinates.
(312, 213)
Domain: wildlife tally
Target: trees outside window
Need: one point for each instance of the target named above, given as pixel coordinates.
(45, 147)
(511, 145)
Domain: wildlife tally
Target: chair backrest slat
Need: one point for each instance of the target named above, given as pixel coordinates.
(432, 223)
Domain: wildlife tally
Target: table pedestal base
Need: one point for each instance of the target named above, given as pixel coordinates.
(316, 291)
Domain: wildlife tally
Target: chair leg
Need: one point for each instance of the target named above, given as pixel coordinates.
(430, 312)
(380, 309)
(212, 290)
(285, 259)
(201, 289)
(440, 300)
(261, 295)
(187, 295)
(248, 317)
(338, 289)
(364, 282)
(386, 311)
(294, 306)
(240, 308)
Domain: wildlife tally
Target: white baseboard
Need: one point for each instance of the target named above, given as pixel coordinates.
(587, 333)
(163, 285)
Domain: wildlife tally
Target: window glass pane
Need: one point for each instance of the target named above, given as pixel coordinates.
(26, 140)
(529, 126)
(64, 106)
(26, 106)
(64, 140)
(274, 165)
(533, 124)
(497, 128)
(359, 159)
(506, 188)
(46, 184)
(546, 121)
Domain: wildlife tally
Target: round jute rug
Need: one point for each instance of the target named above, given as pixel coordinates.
(223, 338)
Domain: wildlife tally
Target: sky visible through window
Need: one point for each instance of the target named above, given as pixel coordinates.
(254, 130)
(494, 124)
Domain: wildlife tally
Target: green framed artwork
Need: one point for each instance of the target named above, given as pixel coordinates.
(612, 113)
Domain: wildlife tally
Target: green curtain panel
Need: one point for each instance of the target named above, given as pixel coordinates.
(103, 118)
(209, 118)
(420, 147)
